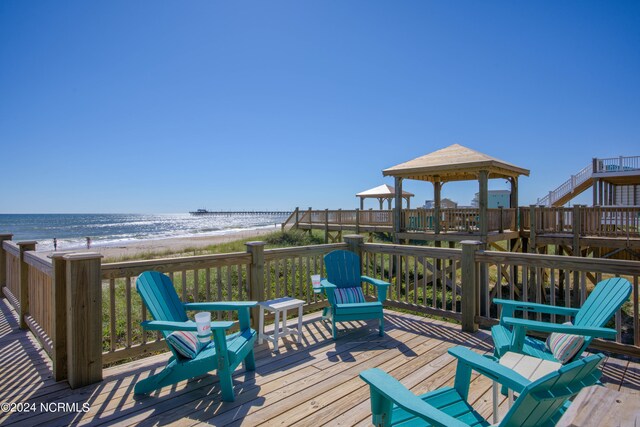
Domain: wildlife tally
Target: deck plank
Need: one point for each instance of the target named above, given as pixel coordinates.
(312, 383)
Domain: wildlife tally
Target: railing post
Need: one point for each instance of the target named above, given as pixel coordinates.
(354, 243)
(23, 296)
(84, 318)
(59, 307)
(576, 225)
(469, 285)
(256, 276)
(3, 262)
(532, 228)
(397, 208)
(326, 226)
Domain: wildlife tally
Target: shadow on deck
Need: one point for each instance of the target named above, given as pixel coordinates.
(312, 383)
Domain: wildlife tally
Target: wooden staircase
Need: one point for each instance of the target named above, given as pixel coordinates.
(569, 189)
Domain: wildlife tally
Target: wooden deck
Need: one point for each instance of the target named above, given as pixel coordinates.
(313, 383)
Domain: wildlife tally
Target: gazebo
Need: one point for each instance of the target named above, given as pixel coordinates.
(455, 163)
(383, 192)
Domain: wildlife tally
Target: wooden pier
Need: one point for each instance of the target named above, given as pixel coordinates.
(241, 213)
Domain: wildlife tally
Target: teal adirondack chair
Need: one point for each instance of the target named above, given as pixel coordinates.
(540, 403)
(343, 278)
(605, 299)
(224, 353)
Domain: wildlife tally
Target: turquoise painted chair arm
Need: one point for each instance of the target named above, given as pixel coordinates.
(380, 284)
(242, 307)
(164, 325)
(329, 289)
(510, 306)
(219, 306)
(491, 369)
(375, 282)
(533, 325)
(386, 388)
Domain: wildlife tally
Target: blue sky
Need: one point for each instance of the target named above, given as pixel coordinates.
(165, 106)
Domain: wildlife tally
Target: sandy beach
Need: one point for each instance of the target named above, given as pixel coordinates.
(174, 244)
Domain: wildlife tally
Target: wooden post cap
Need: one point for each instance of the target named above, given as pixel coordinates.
(471, 242)
(354, 236)
(256, 243)
(6, 236)
(58, 255)
(78, 256)
(27, 243)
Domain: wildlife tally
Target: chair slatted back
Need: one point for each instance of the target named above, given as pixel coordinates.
(343, 268)
(160, 297)
(540, 401)
(605, 299)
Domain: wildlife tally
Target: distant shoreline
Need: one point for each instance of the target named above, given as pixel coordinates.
(173, 244)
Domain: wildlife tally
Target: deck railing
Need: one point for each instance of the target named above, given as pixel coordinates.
(434, 281)
(12, 265)
(465, 220)
(458, 284)
(28, 284)
(582, 221)
(219, 277)
(617, 164)
(424, 279)
(347, 217)
(40, 317)
(412, 220)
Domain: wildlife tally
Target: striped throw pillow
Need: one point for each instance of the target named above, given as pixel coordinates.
(564, 346)
(349, 295)
(186, 343)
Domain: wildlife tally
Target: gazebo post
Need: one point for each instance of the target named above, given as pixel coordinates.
(361, 203)
(388, 203)
(408, 202)
(397, 211)
(437, 189)
(513, 200)
(483, 178)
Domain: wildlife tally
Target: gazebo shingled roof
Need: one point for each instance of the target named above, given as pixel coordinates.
(454, 163)
(383, 190)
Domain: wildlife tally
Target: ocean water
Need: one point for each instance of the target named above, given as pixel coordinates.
(71, 230)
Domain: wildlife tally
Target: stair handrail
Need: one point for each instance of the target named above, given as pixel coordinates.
(567, 187)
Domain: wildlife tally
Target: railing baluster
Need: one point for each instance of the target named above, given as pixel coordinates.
(434, 283)
(112, 313)
(184, 285)
(552, 291)
(219, 288)
(415, 280)
(229, 291)
(208, 283)
(636, 311)
(196, 287)
(128, 309)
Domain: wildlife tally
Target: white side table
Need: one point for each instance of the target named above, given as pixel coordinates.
(276, 306)
(529, 367)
